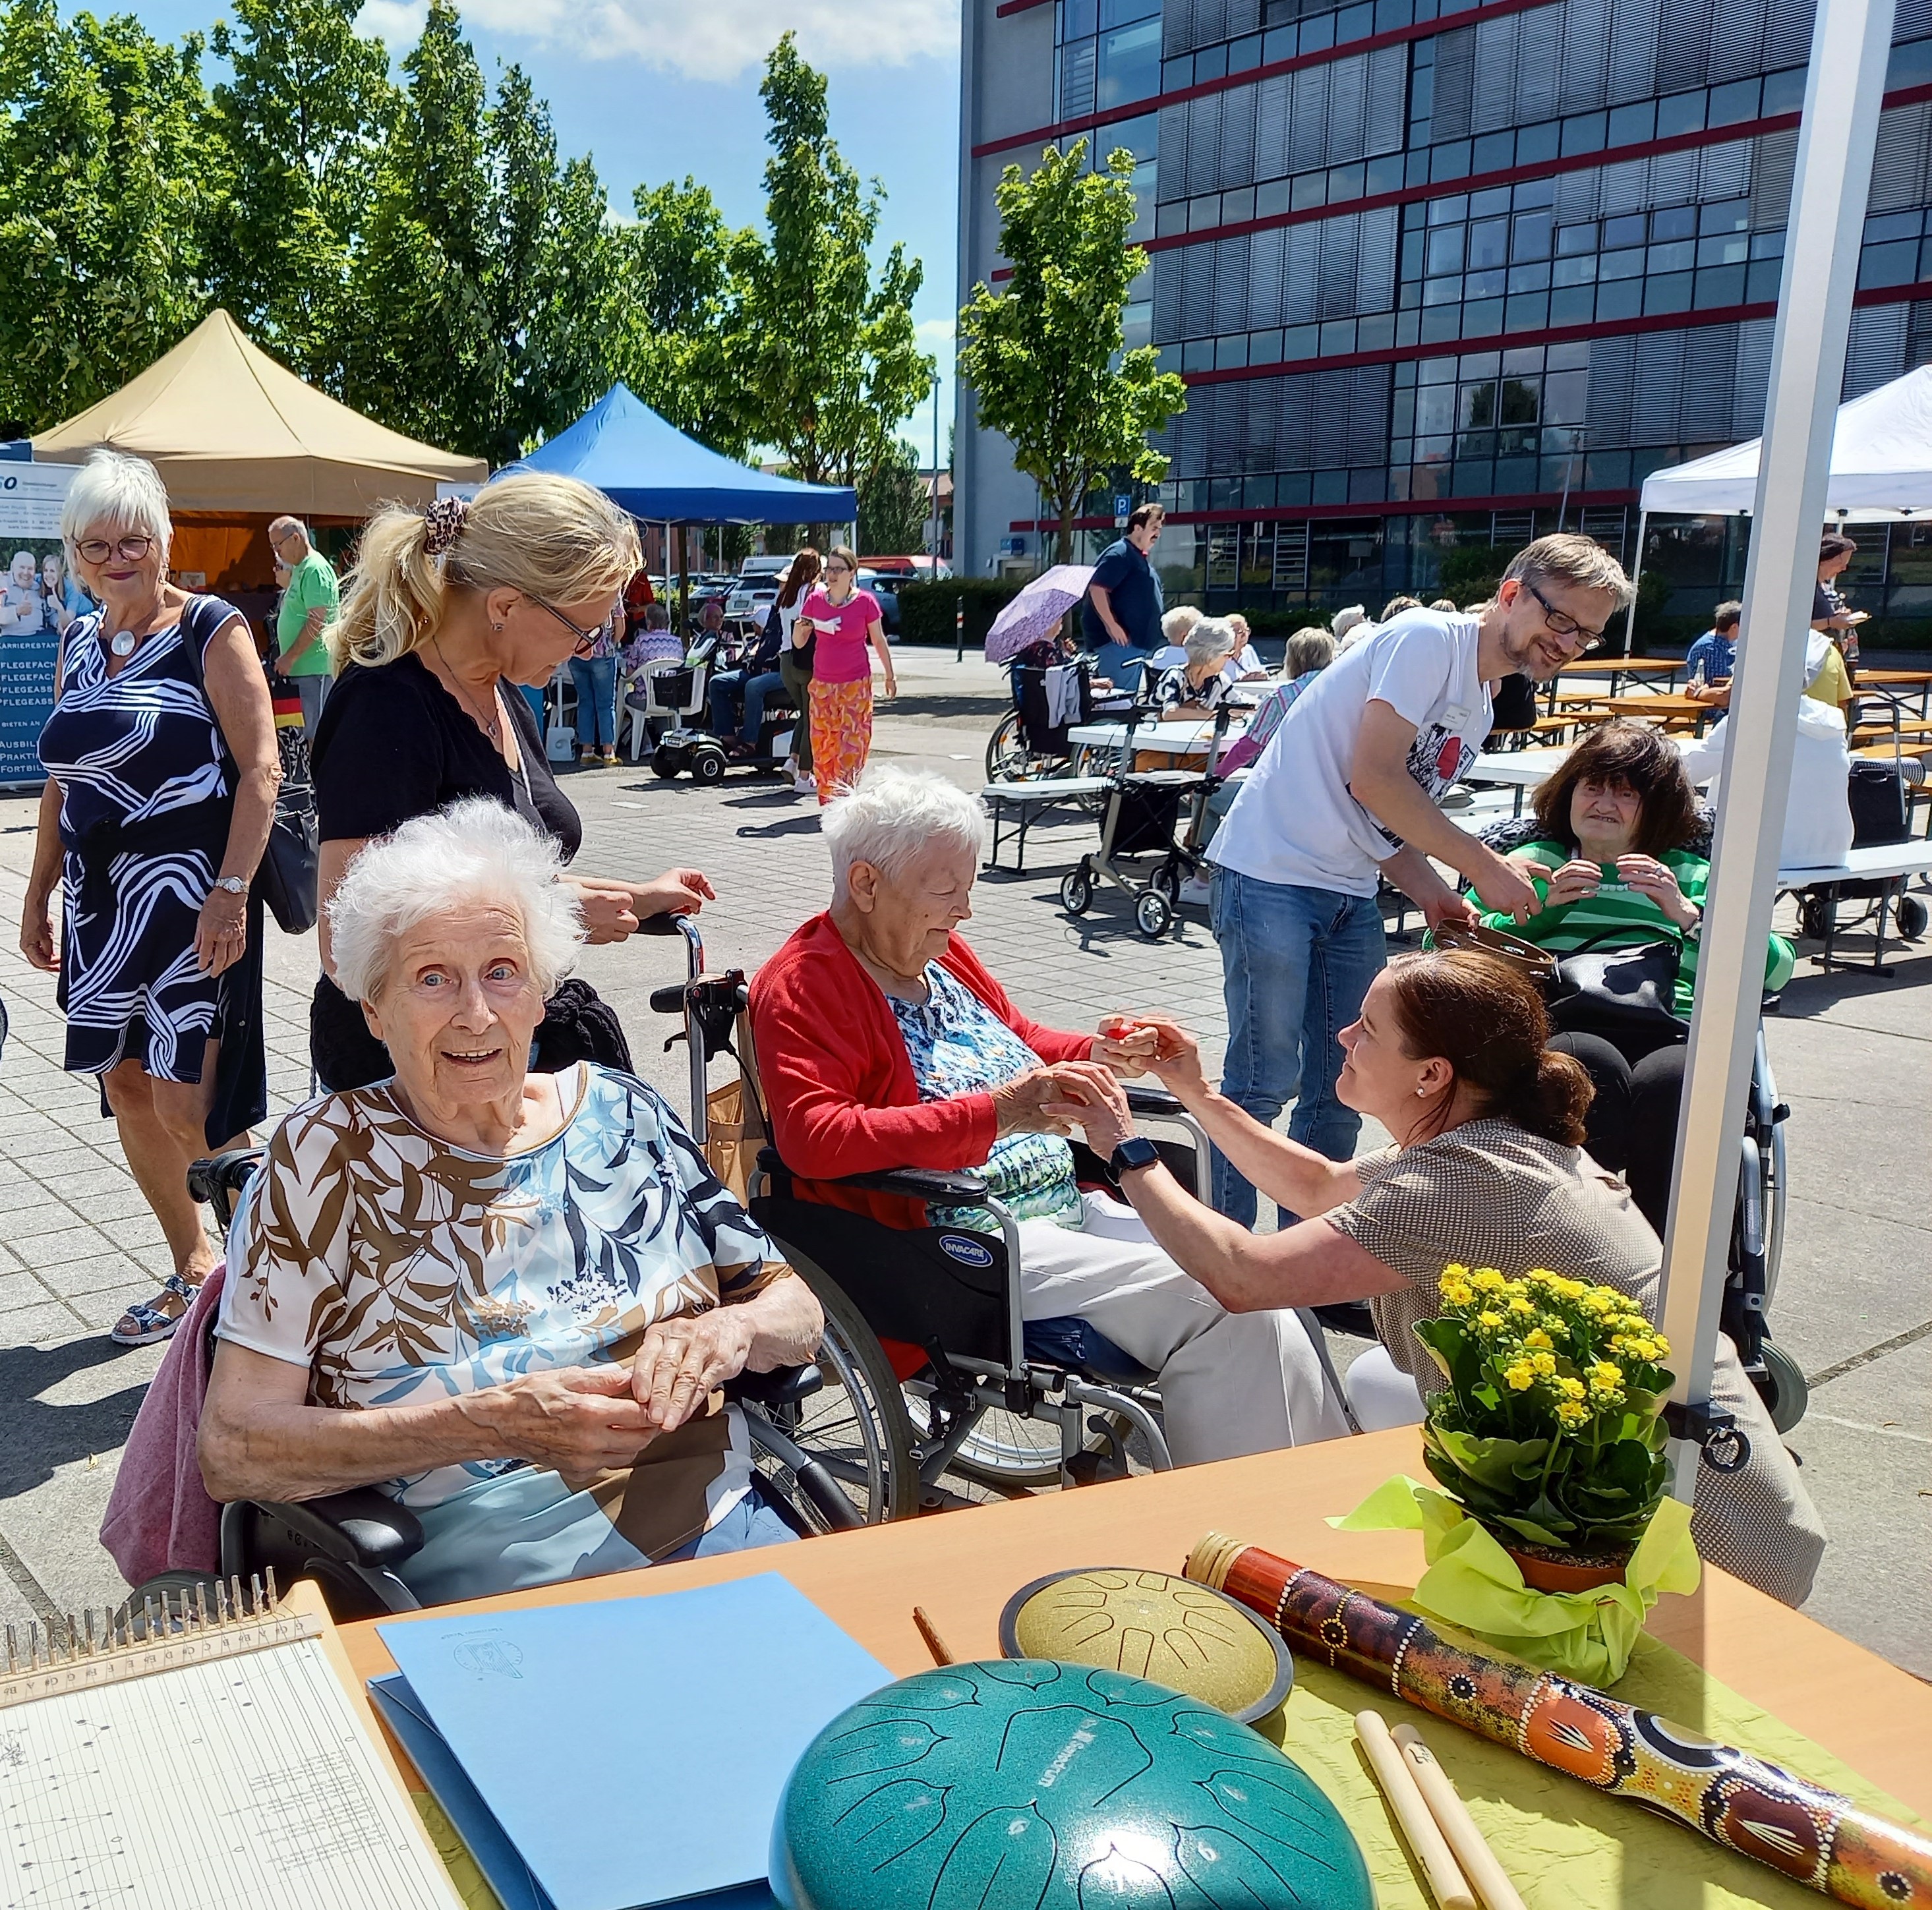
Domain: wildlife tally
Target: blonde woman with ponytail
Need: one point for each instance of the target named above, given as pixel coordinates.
(1451, 1055)
(446, 614)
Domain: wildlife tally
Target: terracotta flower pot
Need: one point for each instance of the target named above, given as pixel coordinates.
(1554, 1569)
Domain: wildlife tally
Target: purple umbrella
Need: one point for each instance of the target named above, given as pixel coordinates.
(1036, 612)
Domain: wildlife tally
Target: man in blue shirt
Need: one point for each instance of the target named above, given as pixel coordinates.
(1122, 618)
(1712, 659)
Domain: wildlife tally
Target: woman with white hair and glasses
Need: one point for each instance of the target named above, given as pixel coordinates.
(446, 613)
(505, 1298)
(883, 1042)
(162, 770)
(1199, 686)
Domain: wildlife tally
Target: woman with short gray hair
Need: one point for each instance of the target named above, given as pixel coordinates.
(503, 1297)
(883, 1042)
(1199, 686)
(162, 771)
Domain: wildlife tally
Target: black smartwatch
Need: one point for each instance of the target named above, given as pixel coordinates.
(1136, 1151)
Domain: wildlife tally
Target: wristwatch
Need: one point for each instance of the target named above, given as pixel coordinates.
(235, 885)
(1136, 1151)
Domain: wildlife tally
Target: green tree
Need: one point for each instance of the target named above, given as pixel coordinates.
(299, 131)
(1044, 355)
(895, 512)
(102, 187)
(673, 340)
(827, 358)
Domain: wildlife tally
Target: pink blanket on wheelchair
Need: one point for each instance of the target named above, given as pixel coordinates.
(160, 1517)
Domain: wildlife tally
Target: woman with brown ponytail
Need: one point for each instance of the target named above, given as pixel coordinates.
(1450, 1057)
(445, 614)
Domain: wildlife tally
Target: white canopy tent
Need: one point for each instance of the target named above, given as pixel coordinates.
(1881, 469)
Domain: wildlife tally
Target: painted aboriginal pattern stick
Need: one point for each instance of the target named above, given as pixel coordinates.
(1822, 1839)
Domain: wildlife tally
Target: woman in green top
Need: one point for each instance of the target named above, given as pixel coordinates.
(1611, 868)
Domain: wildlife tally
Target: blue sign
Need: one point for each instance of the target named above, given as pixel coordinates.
(36, 603)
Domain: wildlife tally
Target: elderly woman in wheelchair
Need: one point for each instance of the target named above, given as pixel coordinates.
(884, 1044)
(507, 1298)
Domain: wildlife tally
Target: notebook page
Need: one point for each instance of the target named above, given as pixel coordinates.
(244, 1783)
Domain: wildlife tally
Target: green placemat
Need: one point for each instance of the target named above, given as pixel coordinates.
(1565, 1846)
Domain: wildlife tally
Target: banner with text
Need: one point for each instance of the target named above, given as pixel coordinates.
(38, 600)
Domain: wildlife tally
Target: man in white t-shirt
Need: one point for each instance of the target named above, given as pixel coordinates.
(1346, 793)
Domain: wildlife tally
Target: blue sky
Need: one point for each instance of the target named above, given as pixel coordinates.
(655, 89)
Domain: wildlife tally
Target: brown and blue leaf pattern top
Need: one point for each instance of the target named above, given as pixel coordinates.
(397, 1268)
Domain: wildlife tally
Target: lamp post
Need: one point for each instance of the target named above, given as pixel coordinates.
(935, 474)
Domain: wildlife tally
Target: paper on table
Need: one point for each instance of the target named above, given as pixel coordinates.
(243, 1783)
(633, 1750)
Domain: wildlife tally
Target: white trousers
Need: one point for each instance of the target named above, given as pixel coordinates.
(1231, 1384)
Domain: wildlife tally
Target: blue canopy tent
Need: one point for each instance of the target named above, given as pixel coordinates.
(654, 471)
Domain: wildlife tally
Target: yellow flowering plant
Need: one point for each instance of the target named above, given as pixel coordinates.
(1551, 1428)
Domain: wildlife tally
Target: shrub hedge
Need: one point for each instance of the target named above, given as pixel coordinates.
(926, 610)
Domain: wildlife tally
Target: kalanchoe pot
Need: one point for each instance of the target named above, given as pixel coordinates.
(1549, 1432)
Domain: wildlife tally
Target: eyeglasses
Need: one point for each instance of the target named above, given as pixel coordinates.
(1560, 625)
(587, 640)
(129, 550)
(837, 564)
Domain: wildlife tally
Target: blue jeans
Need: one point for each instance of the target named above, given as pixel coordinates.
(535, 698)
(596, 680)
(731, 688)
(1295, 964)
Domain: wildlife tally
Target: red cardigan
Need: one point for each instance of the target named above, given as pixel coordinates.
(839, 1083)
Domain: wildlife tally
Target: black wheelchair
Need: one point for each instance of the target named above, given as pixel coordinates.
(956, 1381)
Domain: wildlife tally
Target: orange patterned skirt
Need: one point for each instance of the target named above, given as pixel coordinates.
(841, 734)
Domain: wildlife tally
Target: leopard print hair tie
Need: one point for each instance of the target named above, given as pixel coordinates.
(442, 524)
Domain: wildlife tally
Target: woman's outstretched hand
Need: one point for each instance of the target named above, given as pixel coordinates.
(1163, 1047)
(1092, 1100)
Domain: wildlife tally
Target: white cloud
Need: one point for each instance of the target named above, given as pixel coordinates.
(933, 332)
(720, 39)
(398, 24)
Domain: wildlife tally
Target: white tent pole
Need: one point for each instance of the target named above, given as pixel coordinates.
(1636, 577)
(1849, 45)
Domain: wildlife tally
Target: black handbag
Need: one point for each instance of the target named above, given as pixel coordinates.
(1631, 989)
(1881, 810)
(285, 878)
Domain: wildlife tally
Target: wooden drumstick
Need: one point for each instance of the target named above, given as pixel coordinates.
(1446, 1883)
(1459, 1828)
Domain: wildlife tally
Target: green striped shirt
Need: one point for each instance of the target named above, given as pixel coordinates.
(1616, 906)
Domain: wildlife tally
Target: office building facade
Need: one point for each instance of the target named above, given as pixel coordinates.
(1441, 274)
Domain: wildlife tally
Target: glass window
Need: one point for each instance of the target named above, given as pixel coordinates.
(1345, 182)
(1137, 323)
(1141, 136)
(1892, 225)
(1720, 285)
(1402, 415)
(1531, 237)
(1411, 255)
(1678, 256)
(1376, 332)
(1271, 199)
(1486, 204)
(1584, 132)
(1767, 245)
(1310, 189)
(1620, 300)
(1237, 208)
(1681, 113)
(1338, 336)
(1529, 278)
(1130, 62)
(1445, 250)
(1577, 238)
(1724, 249)
(1488, 243)
(1450, 162)
(1302, 341)
(1484, 285)
(1728, 215)
(1436, 371)
(1264, 347)
(1118, 13)
(1621, 265)
(1572, 304)
(1520, 398)
(1631, 125)
(1533, 193)
(1449, 211)
(1477, 408)
(1523, 361)
(1783, 92)
(1245, 53)
(1888, 265)
(1078, 19)
(1675, 222)
(1231, 353)
(1442, 291)
(1494, 152)
(1211, 63)
(1730, 104)
(1670, 293)
(1563, 358)
(1536, 143)
(1384, 174)
(1434, 409)
(1628, 230)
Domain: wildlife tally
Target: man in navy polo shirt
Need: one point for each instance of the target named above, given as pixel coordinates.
(1122, 618)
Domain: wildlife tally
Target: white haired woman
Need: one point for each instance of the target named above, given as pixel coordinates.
(883, 1042)
(443, 609)
(162, 770)
(506, 1299)
(1199, 686)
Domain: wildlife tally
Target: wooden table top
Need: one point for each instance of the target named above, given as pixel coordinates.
(1893, 676)
(962, 1566)
(1665, 706)
(1622, 667)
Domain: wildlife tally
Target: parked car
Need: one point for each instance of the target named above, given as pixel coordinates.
(754, 590)
(885, 587)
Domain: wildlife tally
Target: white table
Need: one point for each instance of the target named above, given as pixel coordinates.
(1526, 769)
(1192, 738)
(1891, 864)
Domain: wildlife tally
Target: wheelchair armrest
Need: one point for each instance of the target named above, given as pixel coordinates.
(227, 1173)
(668, 1000)
(1151, 1100)
(784, 1386)
(961, 1190)
(658, 924)
(361, 1527)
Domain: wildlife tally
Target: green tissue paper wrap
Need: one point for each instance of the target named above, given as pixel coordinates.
(1474, 1584)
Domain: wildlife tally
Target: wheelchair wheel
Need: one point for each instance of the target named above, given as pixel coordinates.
(1784, 1388)
(1076, 890)
(1814, 913)
(707, 764)
(1910, 916)
(1153, 913)
(856, 1427)
(1008, 759)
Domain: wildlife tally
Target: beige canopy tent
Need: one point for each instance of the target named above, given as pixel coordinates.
(230, 430)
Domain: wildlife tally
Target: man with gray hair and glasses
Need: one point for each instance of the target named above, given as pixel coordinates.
(309, 608)
(1346, 793)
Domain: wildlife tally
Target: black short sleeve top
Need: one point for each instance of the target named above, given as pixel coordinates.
(393, 743)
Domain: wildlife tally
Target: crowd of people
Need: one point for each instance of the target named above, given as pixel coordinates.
(488, 1269)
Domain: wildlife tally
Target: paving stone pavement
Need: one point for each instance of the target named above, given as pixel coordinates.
(1853, 1057)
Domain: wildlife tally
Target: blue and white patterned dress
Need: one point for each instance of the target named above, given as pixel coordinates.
(138, 751)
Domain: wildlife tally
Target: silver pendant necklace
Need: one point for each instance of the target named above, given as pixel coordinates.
(122, 643)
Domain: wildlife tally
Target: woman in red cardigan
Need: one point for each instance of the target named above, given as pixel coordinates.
(884, 1043)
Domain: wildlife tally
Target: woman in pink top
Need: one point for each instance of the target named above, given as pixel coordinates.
(843, 621)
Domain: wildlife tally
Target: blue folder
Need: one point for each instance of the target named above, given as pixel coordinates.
(626, 1752)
